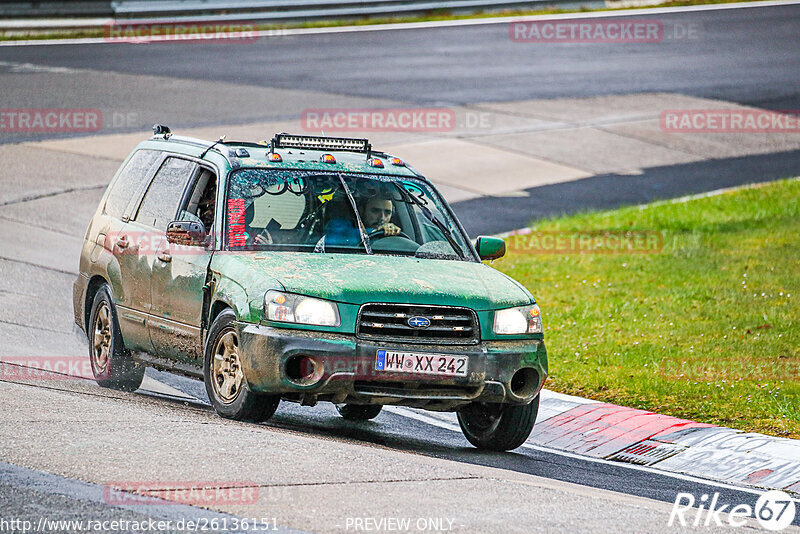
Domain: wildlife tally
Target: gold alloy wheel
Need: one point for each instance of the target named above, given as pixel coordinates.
(226, 372)
(101, 341)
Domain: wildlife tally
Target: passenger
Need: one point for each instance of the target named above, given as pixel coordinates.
(255, 235)
(205, 208)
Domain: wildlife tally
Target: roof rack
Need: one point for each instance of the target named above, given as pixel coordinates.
(315, 142)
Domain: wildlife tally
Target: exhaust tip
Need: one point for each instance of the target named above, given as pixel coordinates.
(303, 370)
(524, 383)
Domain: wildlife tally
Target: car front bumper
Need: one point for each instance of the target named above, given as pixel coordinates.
(310, 366)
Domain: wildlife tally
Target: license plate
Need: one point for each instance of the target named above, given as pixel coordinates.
(426, 364)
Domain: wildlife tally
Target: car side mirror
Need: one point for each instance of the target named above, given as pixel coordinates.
(490, 248)
(190, 233)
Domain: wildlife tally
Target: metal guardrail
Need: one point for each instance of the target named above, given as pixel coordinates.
(65, 8)
(260, 10)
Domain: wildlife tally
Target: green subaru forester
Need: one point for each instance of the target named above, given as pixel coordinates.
(305, 269)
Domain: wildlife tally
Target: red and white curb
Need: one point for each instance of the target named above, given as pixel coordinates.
(602, 430)
(610, 433)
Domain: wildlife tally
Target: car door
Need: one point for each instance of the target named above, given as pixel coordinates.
(128, 266)
(179, 275)
(146, 230)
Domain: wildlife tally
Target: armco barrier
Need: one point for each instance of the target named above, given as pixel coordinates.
(258, 11)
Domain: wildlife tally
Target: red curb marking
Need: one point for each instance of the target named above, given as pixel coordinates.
(755, 476)
(602, 429)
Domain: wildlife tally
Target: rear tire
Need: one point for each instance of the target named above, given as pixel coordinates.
(225, 382)
(359, 412)
(498, 427)
(112, 364)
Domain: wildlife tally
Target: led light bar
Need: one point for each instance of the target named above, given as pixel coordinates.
(312, 142)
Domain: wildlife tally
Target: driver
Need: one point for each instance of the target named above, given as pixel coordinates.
(376, 214)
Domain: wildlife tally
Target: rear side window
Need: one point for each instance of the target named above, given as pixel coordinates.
(160, 203)
(130, 181)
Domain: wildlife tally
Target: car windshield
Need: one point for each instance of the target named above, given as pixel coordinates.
(316, 211)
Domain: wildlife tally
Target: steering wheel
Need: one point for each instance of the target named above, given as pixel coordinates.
(380, 233)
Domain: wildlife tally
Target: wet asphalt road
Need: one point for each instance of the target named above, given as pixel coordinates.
(64, 498)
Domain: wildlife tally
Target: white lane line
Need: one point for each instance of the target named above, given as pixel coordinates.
(407, 412)
(423, 25)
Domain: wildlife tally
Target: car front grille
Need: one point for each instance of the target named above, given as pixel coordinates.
(448, 325)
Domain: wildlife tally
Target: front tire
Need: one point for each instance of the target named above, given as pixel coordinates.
(112, 364)
(498, 427)
(225, 382)
(357, 412)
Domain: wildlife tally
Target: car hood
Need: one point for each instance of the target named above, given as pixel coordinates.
(357, 279)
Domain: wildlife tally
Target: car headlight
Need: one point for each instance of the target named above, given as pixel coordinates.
(290, 308)
(519, 320)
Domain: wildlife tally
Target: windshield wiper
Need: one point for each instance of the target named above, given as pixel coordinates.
(435, 220)
(362, 231)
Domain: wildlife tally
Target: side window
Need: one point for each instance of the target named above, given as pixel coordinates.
(160, 202)
(201, 203)
(129, 181)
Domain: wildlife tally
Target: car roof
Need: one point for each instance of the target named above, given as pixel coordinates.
(309, 157)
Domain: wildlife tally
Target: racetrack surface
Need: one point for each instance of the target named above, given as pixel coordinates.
(315, 470)
(742, 55)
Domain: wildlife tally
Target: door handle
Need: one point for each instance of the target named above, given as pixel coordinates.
(164, 256)
(123, 242)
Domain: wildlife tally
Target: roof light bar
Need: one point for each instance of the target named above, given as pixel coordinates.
(312, 142)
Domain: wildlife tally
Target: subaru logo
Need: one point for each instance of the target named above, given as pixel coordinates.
(419, 322)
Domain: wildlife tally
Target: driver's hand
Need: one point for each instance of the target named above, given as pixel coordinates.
(390, 229)
(264, 238)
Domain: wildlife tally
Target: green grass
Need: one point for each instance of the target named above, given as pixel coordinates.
(16, 35)
(706, 329)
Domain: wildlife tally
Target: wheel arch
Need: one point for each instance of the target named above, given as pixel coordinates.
(217, 307)
(94, 285)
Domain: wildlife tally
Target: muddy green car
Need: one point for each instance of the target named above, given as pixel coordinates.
(305, 269)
